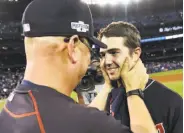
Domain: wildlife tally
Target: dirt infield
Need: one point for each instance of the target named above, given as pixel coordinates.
(168, 78)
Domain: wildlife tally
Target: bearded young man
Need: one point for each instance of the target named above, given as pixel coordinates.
(165, 106)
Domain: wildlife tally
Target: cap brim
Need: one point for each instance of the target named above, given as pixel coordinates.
(95, 41)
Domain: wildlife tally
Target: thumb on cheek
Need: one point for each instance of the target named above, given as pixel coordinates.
(125, 65)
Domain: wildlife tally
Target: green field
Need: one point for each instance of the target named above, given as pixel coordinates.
(178, 71)
(176, 86)
(1, 104)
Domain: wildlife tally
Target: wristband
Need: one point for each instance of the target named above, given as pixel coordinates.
(138, 92)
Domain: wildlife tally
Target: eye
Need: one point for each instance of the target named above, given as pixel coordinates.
(114, 53)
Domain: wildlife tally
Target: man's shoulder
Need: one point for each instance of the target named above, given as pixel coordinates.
(161, 89)
(157, 91)
(164, 105)
(91, 119)
(85, 113)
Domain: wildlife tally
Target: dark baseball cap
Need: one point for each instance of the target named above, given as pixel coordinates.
(59, 18)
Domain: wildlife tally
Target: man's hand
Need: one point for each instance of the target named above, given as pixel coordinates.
(107, 83)
(136, 78)
(101, 99)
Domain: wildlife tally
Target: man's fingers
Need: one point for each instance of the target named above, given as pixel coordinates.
(102, 66)
(125, 67)
(144, 81)
(105, 75)
(102, 63)
(138, 64)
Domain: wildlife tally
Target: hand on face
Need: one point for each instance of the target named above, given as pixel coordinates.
(105, 75)
(136, 78)
(115, 56)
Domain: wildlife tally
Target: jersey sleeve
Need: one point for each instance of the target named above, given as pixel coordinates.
(177, 116)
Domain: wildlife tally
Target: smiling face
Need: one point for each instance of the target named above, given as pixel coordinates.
(114, 55)
(123, 41)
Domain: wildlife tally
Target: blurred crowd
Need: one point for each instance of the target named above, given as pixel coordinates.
(14, 27)
(9, 79)
(9, 27)
(138, 19)
(153, 67)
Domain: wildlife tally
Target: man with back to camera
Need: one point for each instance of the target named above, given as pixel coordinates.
(165, 106)
(58, 34)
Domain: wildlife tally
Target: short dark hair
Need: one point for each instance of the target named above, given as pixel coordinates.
(122, 29)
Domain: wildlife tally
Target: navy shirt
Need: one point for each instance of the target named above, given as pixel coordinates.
(164, 105)
(32, 108)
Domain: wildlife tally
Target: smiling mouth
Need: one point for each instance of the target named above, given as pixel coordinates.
(112, 70)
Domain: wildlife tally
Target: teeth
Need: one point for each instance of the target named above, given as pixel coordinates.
(111, 70)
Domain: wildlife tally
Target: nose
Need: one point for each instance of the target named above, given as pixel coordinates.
(108, 60)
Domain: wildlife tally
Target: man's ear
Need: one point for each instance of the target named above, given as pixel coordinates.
(71, 48)
(136, 54)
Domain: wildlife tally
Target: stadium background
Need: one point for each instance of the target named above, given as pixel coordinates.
(159, 22)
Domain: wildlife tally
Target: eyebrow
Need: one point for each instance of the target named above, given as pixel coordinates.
(110, 50)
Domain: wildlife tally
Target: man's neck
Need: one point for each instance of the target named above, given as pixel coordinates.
(47, 76)
(120, 84)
